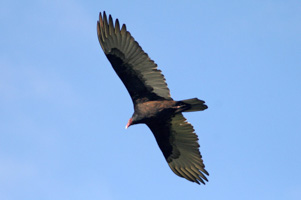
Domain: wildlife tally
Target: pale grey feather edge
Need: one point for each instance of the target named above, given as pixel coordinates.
(190, 163)
(111, 36)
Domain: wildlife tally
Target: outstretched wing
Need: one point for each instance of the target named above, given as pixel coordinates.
(137, 71)
(179, 145)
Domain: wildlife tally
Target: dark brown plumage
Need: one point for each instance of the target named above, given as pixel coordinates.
(153, 104)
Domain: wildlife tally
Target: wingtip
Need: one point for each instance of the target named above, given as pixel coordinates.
(100, 22)
(100, 17)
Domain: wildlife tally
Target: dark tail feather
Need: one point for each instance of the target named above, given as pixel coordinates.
(194, 105)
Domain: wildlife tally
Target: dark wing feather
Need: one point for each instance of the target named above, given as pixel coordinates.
(137, 71)
(179, 145)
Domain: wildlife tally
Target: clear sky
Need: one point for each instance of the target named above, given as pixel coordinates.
(63, 109)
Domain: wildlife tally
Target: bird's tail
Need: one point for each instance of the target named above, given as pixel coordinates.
(194, 104)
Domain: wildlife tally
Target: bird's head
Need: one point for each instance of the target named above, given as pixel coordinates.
(135, 119)
(130, 122)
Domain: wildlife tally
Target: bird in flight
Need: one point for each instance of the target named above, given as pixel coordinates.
(153, 104)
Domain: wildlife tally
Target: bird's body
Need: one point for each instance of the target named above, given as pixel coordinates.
(149, 110)
(153, 104)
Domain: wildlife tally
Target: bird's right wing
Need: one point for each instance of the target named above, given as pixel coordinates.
(179, 145)
(137, 71)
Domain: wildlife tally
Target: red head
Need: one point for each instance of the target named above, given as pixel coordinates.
(130, 122)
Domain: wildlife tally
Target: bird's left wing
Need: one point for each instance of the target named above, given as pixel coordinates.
(137, 71)
(179, 145)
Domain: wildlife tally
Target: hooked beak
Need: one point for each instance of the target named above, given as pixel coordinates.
(129, 123)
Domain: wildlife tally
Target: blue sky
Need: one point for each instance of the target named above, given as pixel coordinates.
(63, 109)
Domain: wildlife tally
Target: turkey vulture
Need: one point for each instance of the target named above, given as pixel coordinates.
(153, 104)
